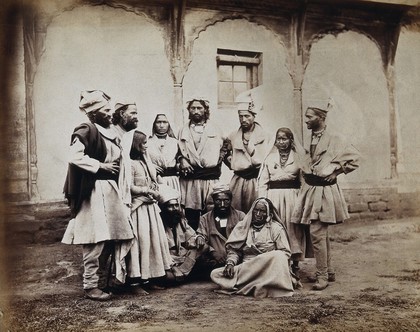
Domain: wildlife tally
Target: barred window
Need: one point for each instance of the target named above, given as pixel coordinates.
(238, 71)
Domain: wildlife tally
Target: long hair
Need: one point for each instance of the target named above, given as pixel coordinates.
(203, 103)
(138, 138)
(117, 115)
(170, 132)
(289, 135)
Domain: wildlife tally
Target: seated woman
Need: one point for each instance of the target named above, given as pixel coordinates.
(258, 255)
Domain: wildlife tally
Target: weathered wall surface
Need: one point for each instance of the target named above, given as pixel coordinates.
(126, 53)
(407, 66)
(16, 166)
(241, 35)
(94, 47)
(348, 68)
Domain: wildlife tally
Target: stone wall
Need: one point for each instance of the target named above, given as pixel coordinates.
(46, 222)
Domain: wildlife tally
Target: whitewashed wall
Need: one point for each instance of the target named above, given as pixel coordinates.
(97, 47)
(407, 66)
(349, 69)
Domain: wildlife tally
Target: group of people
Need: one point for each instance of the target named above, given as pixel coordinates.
(151, 212)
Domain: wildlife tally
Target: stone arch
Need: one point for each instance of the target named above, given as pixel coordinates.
(94, 47)
(348, 67)
(243, 33)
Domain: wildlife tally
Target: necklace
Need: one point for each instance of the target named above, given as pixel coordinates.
(283, 158)
(198, 127)
(257, 228)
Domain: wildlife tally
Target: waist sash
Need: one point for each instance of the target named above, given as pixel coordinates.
(249, 173)
(210, 173)
(104, 175)
(170, 171)
(314, 180)
(285, 184)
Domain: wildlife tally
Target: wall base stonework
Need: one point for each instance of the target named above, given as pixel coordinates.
(45, 223)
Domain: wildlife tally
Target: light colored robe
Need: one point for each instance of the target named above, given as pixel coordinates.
(182, 248)
(325, 203)
(164, 156)
(264, 264)
(103, 216)
(195, 193)
(149, 255)
(283, 199)
(245, 191)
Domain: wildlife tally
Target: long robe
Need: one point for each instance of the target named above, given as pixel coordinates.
(163, 152)
(195, 193)
(208, 230)
(261, 260)
(325, 203)
(245, 191)
(284, 199)
(182, 248)
(103, 215)
(149, 255)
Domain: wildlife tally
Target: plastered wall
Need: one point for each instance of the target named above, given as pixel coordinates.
(407, 66)
(348, 68)
(126, 55)
(242, 35)
(97, 47)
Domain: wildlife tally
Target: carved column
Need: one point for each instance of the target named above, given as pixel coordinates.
(178, 66)
(34, 38)
(392, 33)
(297, 69)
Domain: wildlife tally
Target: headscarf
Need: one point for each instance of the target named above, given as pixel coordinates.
(170, 132)
(239, 234)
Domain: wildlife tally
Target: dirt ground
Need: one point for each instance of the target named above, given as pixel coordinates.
(377, 289)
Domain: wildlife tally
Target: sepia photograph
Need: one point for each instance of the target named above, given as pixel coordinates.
(210, 165)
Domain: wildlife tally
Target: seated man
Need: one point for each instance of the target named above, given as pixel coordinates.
(258, 255)
(181, 237)
(215, 227)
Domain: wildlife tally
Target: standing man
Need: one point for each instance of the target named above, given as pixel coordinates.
(200, 145)
(248, 147)
(124, 118)
(216, 226)
(100, 219)
(320, 202)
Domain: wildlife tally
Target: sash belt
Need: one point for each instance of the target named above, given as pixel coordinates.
(285, 184)
(314, 180)
(249, 173)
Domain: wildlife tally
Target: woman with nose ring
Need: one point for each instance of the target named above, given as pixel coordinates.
(279, 181)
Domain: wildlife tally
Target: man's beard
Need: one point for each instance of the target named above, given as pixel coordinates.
(221, 213)
(171, 219)
(129, 125)
(202, 118)
(102, 121)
